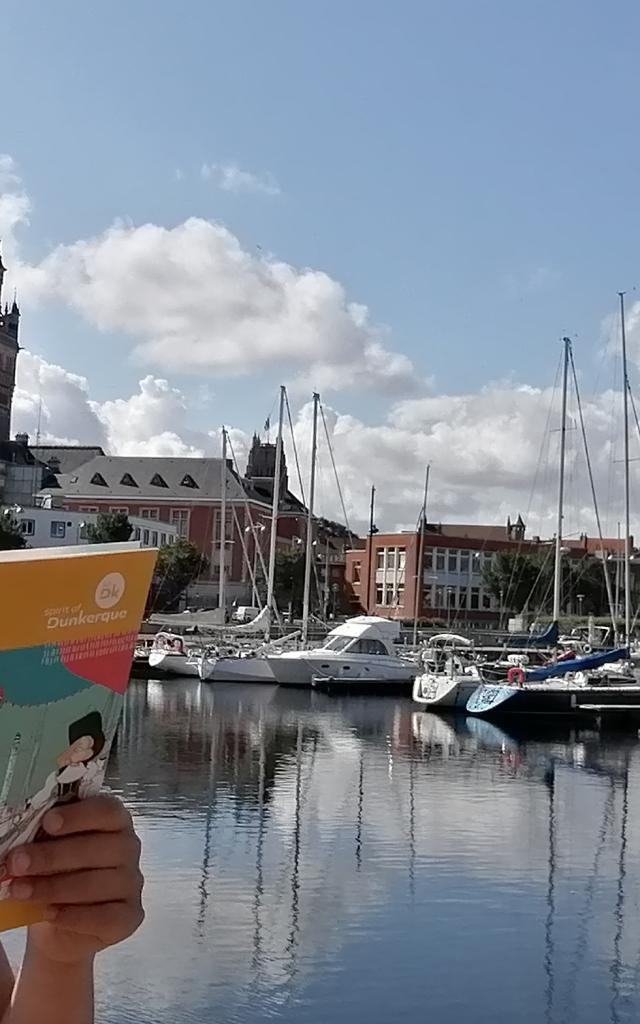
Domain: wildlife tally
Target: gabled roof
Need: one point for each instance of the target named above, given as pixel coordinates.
(113, 469)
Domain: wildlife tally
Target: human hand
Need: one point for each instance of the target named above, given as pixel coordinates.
(87, 877)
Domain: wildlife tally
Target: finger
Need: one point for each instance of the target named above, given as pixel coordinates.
(80, 887)
(75, 853)
(109, 923)
(97, 814)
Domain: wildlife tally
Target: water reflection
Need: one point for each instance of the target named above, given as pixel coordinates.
(313, 858)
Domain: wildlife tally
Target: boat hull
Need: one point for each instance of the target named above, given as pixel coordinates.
(301, 669)
(237, 670)
(495, 701)
(173, 664)
(451, 692)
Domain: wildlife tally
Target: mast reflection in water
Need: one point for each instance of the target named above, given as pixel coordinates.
(314, 859)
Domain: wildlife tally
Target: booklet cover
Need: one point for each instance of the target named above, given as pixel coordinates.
(69, 621)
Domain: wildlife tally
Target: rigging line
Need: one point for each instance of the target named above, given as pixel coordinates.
(335, 470)
(633, 406)
(594, 496)
(545, 438)
(256, 540)
(295, 448)
(247, 560)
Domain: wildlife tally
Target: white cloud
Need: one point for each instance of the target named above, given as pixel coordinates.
(231, 178)
(484, 448)
(195, 301)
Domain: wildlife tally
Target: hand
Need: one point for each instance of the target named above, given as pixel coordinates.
(87, 876)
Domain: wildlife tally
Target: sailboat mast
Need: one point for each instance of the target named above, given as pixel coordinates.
(557, 578)
(372, 519)
(420, 565)
(275, 508)
(627, 513)
(223, 528)
(309, 549)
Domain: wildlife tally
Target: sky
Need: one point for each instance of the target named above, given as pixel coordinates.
(404, 207)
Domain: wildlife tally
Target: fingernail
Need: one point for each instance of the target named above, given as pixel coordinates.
(53, 822)
(21, 891)
(20, 863)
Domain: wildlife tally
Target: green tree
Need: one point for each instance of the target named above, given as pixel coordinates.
(524, 582)
(110, 528)
(289, 580)
(178, 565)
(11, 536)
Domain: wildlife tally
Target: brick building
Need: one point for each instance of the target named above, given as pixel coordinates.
(382, 577)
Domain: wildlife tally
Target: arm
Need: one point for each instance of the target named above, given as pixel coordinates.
(51, 992)
(89, 882)
(7, 982)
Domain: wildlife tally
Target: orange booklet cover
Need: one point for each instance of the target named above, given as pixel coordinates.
(69, 621)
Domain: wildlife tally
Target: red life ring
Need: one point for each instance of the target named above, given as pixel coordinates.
(516, 675)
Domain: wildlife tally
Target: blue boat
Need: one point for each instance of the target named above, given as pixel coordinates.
(542, 691)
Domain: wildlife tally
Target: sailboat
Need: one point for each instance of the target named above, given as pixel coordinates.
(574, 687)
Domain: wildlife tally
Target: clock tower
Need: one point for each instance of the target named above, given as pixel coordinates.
(9, 348)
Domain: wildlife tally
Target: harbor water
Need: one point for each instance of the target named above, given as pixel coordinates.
(312, 858)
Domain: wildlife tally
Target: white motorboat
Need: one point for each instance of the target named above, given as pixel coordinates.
(362, 646)
(170, 655)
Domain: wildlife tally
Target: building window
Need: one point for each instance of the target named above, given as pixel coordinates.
(391, 558)
(402, 558)
(163, 540)
(180, 518)
(486, 600)
(136, 533)
(389, 596)
(28, 527)
(452, 595)
(88, 508)
(427, 598)
(158, 481)
(145, 538)
(438, 560)
(380, 558)
(439, 598)
(58, 529)
(150, 513)
(128, 481)
(98, 480)
(170, 539)
(356, 572)
(464, 563)
(119, 508)
(476, 563)
(462, 602)
(154, 538)
(188, 481)
(400, 596)
(453, 562)
(379, 595)
(475, 598)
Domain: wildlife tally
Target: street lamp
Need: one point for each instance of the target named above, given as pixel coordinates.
(580, 603)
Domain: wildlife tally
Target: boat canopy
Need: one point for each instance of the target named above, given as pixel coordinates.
(583, 664)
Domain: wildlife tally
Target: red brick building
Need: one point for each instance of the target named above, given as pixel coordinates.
(382, 577)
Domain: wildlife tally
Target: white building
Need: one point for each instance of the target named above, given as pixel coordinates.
(57, 527)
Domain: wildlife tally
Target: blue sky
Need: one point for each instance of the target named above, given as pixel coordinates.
(467, 171)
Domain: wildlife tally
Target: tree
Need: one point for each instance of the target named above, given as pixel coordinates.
(110, 528)
(11, 536)
(523, 582)
(289, 579)
(177, 566)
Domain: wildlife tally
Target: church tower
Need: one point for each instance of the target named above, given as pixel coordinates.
(9, 348)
